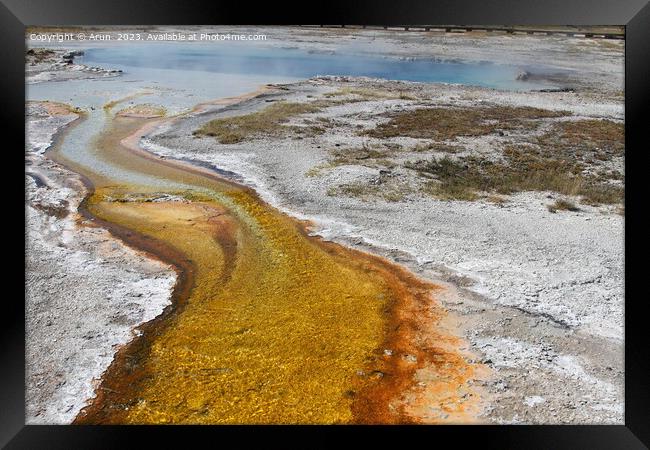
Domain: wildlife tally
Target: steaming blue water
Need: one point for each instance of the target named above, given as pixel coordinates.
(179, 76)
(300, 64)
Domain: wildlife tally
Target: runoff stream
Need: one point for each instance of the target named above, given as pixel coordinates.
(268, 324)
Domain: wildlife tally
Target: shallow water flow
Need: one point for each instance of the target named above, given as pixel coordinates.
(276, 326)
(269, 325)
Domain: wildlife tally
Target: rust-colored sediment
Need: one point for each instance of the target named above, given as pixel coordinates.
(423, 375)
(268, 324)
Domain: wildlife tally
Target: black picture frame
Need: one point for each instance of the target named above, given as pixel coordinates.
(634, 14)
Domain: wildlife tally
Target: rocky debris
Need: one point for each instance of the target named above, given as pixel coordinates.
(522, 76)
(564, 89)
(59, 65)
(148, 198)
(70, 55)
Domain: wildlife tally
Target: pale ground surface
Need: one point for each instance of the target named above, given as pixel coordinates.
(538, 295)
(85, 290)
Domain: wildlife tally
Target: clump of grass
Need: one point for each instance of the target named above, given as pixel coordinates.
(589, 138)
(453, 179)
(316, 170)
(366, 191)
(496, 199)
(394, 195)
(562, 205)
(437, 147)
(309, 131)
(464, 178)
(353, 155)
(443, 168)
(376, 156)
(404, 96)
(268, 121)
(370, 94)
(318, 125)
(449, 191)
(596, 194)
(447, 123)
(355, 189)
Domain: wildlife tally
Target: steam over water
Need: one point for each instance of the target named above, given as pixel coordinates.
(247, 59)
(178, 76)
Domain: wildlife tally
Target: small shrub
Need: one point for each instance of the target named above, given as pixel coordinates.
(562, 205)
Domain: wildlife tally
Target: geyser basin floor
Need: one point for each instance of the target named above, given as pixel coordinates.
(273, 326)
(544, 368)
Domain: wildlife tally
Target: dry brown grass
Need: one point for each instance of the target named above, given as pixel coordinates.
(562, 205)
(585, 139)
(595, 194)
(550, 164)
(496, 199)
(448, 123)
(565, 159)
(464, 178)
(58, 108)
(371, 94)
(391, 192)
(355, 155)
(437, 147)
(268, 121)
